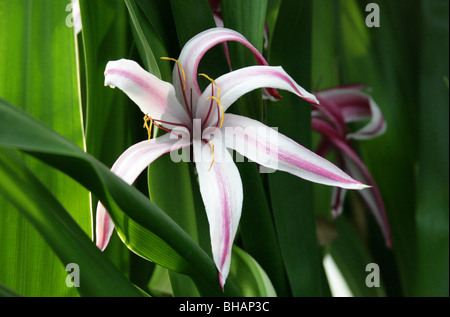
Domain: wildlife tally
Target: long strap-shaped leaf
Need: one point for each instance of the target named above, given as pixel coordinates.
(38, 64)
(7, 292)
(161, 239)
(291, 198)
(248, 19)
(97, 275)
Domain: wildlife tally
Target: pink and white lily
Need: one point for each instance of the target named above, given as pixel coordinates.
(198, 118)
(340, 106)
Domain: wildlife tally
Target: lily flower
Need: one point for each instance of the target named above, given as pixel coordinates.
(198, 118)
(340, 106)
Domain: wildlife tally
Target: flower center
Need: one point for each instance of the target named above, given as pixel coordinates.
(213, 98)
(148, 118)
(149, 121)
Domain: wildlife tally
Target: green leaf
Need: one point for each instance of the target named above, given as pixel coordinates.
(159, 284)
(170, 188)
(6, 292)
(352, 257)
(248, 19)
(159, 14)
(324, 57)
(143, 33)
(145, 229)
(383, 60)
(249, 276)
(155, 18)
(38, 58)
(191, 17)
(97, 276)
(257, 222)
(291, 197)
(106, 36)
(433, 178)
(105, 31)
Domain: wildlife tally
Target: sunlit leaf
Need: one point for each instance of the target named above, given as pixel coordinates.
(145, 229)
(96, 276)
(249, 276)
(38, 63)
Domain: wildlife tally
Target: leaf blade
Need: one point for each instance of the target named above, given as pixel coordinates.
(38, 54)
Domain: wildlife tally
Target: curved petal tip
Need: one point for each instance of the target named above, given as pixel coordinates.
(104, 227)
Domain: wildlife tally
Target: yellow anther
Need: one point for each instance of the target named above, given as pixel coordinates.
(215, 84)
(179, 66)
(147, 118)
(212, 153)
(221, 109)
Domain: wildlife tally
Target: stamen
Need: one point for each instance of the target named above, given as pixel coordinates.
(214, 98)
(155, 122)
(211, 104)
(184, 83)
(213, 81)
(170, 131)
(212, 153)
(221, 109)
(167, 122)
(179, 66)
(147, 118)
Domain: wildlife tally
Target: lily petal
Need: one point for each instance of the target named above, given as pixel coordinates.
(219, 23)
(372, 196)
(271, 149)
(324, 147)
(239, 82)
(330, 112)
(194, 50)
(357, 168)
(337, 201)
(104, 227)
(128, 167)
(221, 190)
(153, 96)
(377, 126)
(354, 105)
